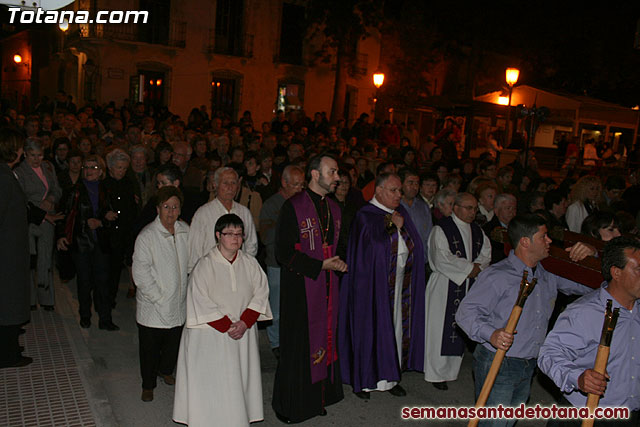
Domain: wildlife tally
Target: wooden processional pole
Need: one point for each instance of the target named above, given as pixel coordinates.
(525, 290)
(602, 357)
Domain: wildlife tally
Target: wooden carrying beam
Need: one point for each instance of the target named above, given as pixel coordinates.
(586, 271)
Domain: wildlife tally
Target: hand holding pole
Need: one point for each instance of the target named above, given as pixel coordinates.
(602, 357)
(525, 290)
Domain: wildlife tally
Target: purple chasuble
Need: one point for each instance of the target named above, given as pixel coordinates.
(368, 348)
(322, 297)
(452, 341)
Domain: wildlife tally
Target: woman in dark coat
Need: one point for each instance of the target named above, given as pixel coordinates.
(14, 253)
(85, 233)
(121, 199)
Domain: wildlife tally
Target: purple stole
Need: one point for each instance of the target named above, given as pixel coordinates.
(452, 341)
(405, 296)
(322, 297)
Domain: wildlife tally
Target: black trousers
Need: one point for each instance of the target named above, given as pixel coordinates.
(9, 346)
(158, 352)
(92, 269)
(116, 262)
(66, 268)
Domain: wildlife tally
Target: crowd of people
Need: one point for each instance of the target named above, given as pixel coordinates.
(367, 251)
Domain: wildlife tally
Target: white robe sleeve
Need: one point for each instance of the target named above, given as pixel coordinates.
(201, 309)
(484, 257)
(444, 262)
(197, 238)
(251, 243)
(260, 301)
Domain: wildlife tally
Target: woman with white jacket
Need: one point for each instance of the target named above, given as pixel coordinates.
(160, 272)
(584, 201)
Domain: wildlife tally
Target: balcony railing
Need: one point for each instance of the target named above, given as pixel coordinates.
(229, 46)
(174, 35)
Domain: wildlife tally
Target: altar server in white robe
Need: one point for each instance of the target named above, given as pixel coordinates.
(458, 251)
(201, 237)
(218, 381)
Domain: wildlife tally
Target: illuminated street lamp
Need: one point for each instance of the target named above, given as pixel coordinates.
(378, 79)
(512, 75)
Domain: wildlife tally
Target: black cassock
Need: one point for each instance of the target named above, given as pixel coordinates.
(293, 394)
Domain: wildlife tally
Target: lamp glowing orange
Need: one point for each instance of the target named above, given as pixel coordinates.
(17, 58)
(158, 82)
(151, 82)
(378, 79)
(512, 75)
(503, 100)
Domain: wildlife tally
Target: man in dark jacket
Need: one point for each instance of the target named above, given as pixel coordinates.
(505, 210)
(14, 253)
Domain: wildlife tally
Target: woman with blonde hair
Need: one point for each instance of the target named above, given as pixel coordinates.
(584, 201)
(38, 180)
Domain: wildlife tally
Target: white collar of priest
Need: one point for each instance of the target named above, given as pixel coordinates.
(460, 223)
(377, 204)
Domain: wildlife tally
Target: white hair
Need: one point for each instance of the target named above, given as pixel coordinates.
(220, 171)
(116, 156)
(503, 198)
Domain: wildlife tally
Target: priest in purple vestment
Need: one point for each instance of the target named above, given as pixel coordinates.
(308, 379)
(382, 298)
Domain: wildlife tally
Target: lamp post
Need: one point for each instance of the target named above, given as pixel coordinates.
(512, 75)
(378, 80)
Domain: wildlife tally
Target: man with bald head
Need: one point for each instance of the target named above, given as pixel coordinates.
(292, 182)
(458, 251)
(201, 234)
(192, 177)
(382, 297)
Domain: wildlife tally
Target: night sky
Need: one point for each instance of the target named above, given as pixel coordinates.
(563, 46)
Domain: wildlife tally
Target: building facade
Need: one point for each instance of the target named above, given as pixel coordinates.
(229, 55)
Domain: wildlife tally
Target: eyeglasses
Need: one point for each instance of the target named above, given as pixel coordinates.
(238, 235)
(171, 207)
(91, 167)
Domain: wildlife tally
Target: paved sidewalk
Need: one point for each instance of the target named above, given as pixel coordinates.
(59, 388)
(90, 377)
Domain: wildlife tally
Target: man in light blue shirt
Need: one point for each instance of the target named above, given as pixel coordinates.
(484, 311)
(569, 351)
